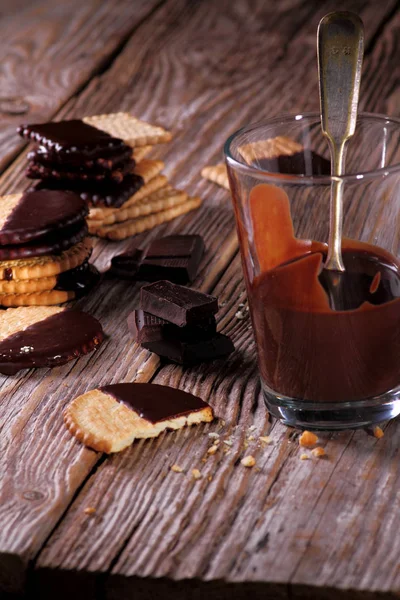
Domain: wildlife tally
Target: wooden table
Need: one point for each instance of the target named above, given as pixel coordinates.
(285, 529)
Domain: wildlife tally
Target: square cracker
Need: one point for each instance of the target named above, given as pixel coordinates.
(166, 197)
(217, 174)
(121, 231)
(131, 130)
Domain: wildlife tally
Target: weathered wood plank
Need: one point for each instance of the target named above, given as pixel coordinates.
(62, 551)
(49, 50)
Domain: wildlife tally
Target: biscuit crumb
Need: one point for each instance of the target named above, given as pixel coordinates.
(265, 439)
(240, 315)
(318, 452)
(213, 435)
(209, 478)
(212, 449)
(90, 510)
(176, 469)
(248, 461)
(304, 456)
(251, 438)
(308, 439)
(378, 433)
(228, 442)
(196, 474)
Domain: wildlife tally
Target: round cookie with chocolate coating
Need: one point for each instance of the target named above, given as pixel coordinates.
(35, 213)
(45, 336)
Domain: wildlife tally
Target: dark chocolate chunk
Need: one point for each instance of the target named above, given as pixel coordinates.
(192, 352)
(81, 279)
(39, 213)
(52, 243)
(155, 402)
(98, 174)
(174, 258)
(145, 327)
(53, 160)
(106, 193)
(50, 342)
(306, 163)
(71, 137)
(176, 303)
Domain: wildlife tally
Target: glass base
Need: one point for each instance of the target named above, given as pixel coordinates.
(333, 415)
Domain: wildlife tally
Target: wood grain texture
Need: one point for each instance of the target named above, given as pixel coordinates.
(49, 51)
(193, 67)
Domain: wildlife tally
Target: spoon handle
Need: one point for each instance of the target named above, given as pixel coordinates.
(340, 55)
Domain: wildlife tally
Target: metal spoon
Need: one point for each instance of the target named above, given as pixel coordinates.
(340, 55)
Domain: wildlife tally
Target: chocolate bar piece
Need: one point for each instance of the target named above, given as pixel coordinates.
(175, 258)
(72, 137)
(192, 352)
(145, 328)
(176, 303)
(103, 193)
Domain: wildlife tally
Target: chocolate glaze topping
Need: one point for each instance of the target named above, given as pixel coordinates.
(72, 136)
(43, 156)
(53, 341)
(155, 402)
(39, 212)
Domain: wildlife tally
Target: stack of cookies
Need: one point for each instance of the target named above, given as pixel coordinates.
(102, 158)
(44, 248)
(179, 324)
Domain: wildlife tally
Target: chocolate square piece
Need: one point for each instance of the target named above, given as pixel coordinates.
(176, 303)
(192, 352)
(174, 258)
(145, 328)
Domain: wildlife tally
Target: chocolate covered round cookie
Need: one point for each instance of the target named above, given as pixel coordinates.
(42, 336)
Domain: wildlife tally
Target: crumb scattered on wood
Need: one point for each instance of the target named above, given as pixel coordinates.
(319, 452)
(304, 456)
(213, 435)
(176, 469)
(240, 314)
(228, 442)
(378, 432)
(248, 461)
(308, 439)
(90, 510)
(251, 438)
(196, 474)
(265, 439)
(212, 449)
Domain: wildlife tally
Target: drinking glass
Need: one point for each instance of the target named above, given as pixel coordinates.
(328, 343)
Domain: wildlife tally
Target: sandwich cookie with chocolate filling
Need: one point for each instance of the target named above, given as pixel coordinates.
(43, 234)
(110, 418)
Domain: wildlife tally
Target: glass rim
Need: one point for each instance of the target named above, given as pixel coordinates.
(304, 179)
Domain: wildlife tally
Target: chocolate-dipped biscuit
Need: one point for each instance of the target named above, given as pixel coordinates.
(43, 156)
(96, 175)
(39, 336)
(73, 137)
(51, 243)
(110, 418)
(33, 214)
(107, 193)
